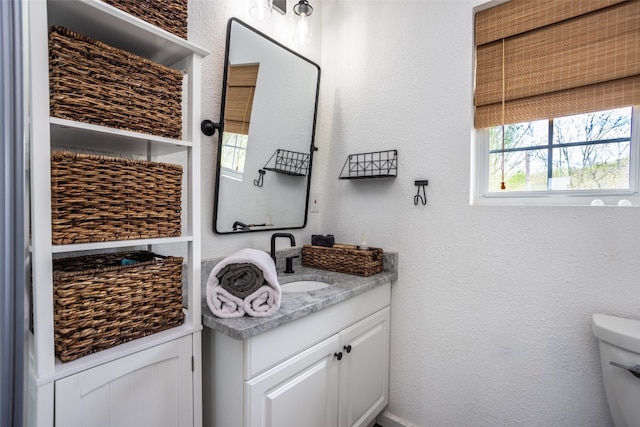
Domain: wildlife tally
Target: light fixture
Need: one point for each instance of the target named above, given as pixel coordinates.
(261, 9)
(303, 11)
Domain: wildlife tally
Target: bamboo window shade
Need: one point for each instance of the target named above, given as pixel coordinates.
(560, 58)
(241, 86)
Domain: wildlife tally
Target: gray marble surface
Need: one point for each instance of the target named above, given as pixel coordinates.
(295, 305)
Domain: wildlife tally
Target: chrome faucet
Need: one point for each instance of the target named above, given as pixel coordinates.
(273, 242)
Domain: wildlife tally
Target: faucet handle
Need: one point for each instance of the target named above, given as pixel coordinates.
(289, 264)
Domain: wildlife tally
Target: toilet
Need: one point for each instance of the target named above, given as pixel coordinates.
(619, 342)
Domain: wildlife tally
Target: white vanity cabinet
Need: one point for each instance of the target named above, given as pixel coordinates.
(344, 378)
(301, 391)
(328, 369)
(364, 370)
(154, 380)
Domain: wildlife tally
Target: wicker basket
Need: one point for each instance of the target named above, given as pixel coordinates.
(99, 303)
(94, 83)
(343, 258)
(170, 15)
(98, 198)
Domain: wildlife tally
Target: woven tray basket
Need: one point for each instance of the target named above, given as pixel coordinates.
(98, 303)
(343, 259)
(98, 198)
(170, 15)
(94, 83)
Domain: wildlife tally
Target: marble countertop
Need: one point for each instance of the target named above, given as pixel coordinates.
(295, 305)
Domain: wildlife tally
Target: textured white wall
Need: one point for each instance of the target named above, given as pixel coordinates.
(491, 313)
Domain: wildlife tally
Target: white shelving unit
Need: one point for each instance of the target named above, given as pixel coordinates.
(47, 375)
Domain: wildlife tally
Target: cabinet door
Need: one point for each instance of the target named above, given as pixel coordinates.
(152, 388)
(302, 391)
(364, 370)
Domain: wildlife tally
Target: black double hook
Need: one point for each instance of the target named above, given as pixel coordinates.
(260, 181)
(421, 198)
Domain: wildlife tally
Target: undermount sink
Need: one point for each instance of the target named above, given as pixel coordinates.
(303, 286)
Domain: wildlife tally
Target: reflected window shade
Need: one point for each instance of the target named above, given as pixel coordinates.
(241, 84)
(584, 61)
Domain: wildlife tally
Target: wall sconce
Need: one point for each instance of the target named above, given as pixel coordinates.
(303, 11)
(261, 9)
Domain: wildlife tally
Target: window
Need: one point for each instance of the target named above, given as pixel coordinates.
(562, 80)
(581, 152)
(234, 149)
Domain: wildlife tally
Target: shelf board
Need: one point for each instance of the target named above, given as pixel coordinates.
(367, 176)
(69, 133)
(119, 29)
(286, 172)
(92, 360)
(75, 247)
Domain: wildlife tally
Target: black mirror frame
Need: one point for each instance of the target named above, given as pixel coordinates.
(220, 128)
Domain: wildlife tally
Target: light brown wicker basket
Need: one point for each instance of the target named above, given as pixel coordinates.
(94, 83)
(100, 303)
(98, 198)
(170, 15)
(344, 259)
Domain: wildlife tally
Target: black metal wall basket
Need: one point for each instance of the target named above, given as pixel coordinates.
(377, 164)
(288, 162)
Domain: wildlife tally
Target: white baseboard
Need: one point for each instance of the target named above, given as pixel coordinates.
(386, 419)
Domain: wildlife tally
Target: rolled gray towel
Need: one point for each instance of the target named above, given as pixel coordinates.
(241, 280)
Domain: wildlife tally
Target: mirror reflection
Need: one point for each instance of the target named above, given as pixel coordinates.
(265, 151)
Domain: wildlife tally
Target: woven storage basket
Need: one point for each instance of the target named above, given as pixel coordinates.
(92, 82)
(343, 259)
(98, 303)
(170, 15)
(98, 198)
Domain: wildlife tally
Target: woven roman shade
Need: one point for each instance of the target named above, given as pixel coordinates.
(241, 85)
(560, 58)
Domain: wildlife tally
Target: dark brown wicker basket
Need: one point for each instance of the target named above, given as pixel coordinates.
(99, 303)
(98, 198)
(94, 83)
(170, 15)
(343, 259)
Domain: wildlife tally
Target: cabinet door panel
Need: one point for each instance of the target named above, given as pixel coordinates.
(298, 392)
(152, 388)
(364, 371)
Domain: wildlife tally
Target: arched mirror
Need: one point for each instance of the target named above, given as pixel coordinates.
(266, 144)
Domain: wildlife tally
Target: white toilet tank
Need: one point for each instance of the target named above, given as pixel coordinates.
(619, 341)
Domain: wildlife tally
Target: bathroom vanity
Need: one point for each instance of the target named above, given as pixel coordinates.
(322, 359)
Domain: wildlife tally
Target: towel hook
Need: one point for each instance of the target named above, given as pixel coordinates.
(421, 198)
(260, 181)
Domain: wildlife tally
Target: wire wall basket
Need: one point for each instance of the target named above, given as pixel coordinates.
(377, 164)
(288, 162)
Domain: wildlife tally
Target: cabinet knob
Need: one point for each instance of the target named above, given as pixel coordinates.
(338, 355)
(347, 348)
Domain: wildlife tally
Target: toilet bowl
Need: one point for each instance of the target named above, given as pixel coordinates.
(619, 342)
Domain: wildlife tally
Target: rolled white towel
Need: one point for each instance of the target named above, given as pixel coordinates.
(223, 304)
(263, 302)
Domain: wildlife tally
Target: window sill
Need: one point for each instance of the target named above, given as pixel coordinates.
(545, 199)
